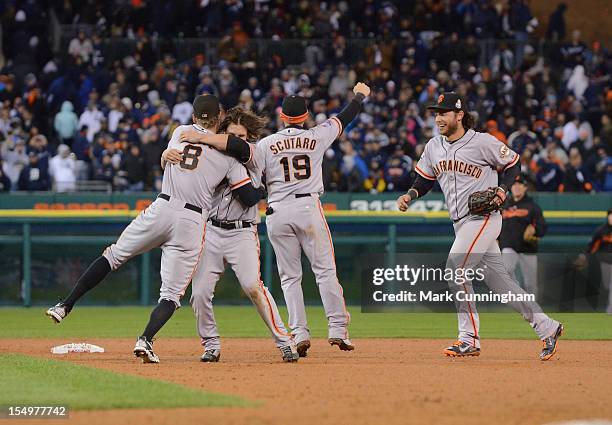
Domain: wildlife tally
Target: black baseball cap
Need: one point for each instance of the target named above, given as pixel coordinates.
(206, 106)
(520, 179)
(294, 109)
(449, 101)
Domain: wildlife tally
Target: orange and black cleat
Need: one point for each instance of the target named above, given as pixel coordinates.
(461, 349)
(549, 345)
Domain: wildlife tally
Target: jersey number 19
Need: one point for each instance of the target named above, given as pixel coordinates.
(301, 167)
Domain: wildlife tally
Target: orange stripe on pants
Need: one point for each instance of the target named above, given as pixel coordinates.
(463, 284)
(263, 289)
(346, 313)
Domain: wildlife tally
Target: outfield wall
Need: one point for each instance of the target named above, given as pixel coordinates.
(331, 201)
(47, 240)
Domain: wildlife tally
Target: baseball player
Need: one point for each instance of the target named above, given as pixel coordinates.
(523, 225)
(291, 162)
(464, 162)
(232, 238)
(176, 221)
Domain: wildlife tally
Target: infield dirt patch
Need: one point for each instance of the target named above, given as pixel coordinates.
(384, 381)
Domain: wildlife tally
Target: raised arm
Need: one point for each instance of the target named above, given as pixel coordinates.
(350, 111)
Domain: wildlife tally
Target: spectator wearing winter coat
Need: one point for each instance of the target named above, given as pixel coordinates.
(556, 24)
(92, 118)
(550, 173)
(576, 178)
(134, 166)
(578, 82)
(15, 159)
(62, 169)
(34, 176)
(66, 123)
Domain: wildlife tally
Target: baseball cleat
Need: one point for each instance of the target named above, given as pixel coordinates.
(549, 345)
(343, 344)
(461, 349)
(302, 348)
(290, 354)
(211, 356)
(58, 312)
(144, 350)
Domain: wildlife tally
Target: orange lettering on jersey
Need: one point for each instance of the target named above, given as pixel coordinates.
(447, 166)
(273, 149)
(298, 143)
(515, 212)
(436, 170)
(313, 144)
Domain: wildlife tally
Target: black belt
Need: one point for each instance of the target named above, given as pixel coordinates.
(187, 205)
(231, 224)
(270, 210)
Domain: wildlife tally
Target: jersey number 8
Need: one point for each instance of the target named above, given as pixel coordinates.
(301, 165)
(191, 155)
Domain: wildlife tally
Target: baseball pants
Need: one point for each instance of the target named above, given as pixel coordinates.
(180, 233)
(476, 246)
(239, 248)
(299, 224)
(527, 263)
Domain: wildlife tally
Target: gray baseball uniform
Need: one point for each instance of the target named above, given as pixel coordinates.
(528, 265)
(240, 248)
(292, 161)
(465, 166)
(176, 220)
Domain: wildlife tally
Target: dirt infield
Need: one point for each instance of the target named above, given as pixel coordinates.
(385, 381)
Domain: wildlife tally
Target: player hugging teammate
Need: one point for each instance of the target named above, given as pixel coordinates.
(291, 161)
(175, 221)
(465, 163)
(232, 238)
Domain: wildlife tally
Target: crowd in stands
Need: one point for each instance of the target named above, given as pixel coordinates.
(76, 115)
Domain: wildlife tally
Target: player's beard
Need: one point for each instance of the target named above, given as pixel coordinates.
(449, 129)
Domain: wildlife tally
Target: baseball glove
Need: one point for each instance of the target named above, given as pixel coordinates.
(529, 234)
(484, 202)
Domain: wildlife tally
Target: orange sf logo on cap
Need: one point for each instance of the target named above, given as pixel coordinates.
(440, 98)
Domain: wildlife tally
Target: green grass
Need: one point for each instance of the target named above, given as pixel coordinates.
(243, 321)
(30, 381)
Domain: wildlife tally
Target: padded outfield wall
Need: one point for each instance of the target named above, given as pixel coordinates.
(47, 240)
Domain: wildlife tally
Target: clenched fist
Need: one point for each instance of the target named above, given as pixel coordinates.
(403, 202)
(362, 88)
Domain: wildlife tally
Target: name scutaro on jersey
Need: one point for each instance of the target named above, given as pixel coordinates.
(292, 159)
(293, 143)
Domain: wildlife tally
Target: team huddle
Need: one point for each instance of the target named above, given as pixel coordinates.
(206, 217)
